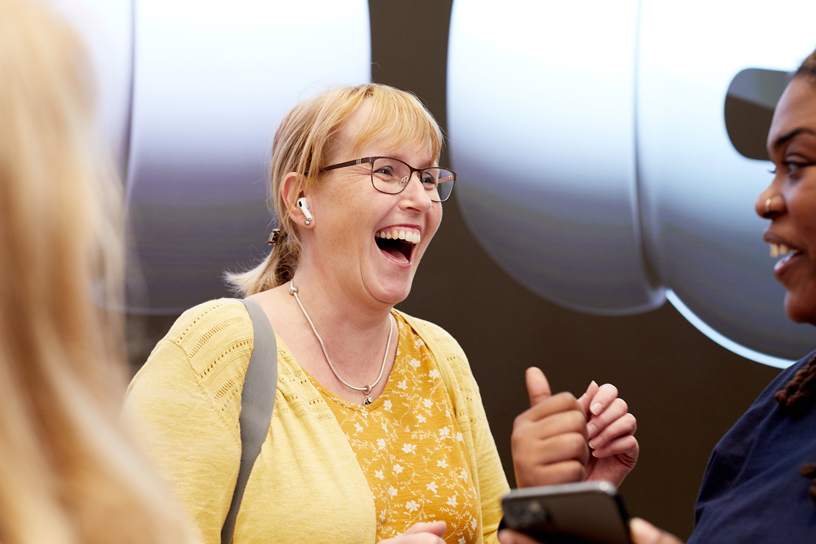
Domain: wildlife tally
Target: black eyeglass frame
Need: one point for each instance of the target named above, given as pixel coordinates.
(370, 160)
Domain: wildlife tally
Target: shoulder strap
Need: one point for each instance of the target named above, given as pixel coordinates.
(257, 402)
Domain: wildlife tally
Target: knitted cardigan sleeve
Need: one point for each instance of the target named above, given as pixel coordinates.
(183, 406)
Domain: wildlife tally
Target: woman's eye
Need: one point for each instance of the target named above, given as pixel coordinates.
(793, 167)
(429, 180)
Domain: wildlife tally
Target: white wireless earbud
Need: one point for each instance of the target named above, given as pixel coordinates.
(305, 208)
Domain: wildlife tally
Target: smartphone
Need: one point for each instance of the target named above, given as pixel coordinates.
(580, 513)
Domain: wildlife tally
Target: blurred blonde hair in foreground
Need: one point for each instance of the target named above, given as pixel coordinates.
(67, 473)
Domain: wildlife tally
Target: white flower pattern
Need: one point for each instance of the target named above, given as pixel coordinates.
(410, 449)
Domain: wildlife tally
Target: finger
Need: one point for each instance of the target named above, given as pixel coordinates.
(506, 536)
(537, 385)
(416, 538)
(643, 532)
(563, 447)
(562, 402)
(624, 425)
(571, 421)
(603, 398)
(565, 472)
(437, 528)
(626, 448)
(614, 412)
(587, 397)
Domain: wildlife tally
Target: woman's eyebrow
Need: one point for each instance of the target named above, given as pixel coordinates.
(783, 139)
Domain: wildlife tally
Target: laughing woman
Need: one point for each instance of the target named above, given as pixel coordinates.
(378, 430)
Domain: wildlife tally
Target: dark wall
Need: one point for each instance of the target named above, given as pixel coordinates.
(685, 390)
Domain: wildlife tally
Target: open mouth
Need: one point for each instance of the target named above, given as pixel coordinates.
(397, 243)
(783, 250)
(787, 253)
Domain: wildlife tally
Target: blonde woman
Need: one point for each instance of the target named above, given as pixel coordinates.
(67, 474)
(378, 431)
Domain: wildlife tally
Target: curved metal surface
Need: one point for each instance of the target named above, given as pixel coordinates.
(212, 80)
(541, 124)
(595, 160)
(698, 192)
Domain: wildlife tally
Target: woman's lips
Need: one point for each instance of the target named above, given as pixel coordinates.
(786, 262)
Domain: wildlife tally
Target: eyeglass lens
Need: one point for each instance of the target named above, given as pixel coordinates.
(392, 175)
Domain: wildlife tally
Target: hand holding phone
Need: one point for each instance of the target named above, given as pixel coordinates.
(580, 513)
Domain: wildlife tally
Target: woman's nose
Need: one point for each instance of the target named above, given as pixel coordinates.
(770, 203)
(415, 195)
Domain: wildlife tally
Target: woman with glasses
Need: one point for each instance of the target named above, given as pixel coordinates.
(378, 431)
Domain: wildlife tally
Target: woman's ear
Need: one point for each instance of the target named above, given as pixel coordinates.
(293, 190)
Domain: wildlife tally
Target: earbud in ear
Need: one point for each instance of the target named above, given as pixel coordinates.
(305, 208)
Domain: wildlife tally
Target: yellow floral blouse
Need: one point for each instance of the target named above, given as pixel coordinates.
(408, 445)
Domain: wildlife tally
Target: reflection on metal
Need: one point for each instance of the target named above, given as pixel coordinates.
(212, 80)
(190, 94)
(595, 160)
(749, 105)
(541, 124)
(722, 340)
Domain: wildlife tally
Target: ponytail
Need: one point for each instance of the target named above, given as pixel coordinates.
(276, 269)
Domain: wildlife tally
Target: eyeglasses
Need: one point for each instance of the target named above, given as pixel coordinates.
(391, 176)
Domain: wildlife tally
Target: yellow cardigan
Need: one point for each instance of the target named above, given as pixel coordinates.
(306, 485)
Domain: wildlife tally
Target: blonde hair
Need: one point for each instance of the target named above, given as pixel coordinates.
(304, 143)
(67, 473)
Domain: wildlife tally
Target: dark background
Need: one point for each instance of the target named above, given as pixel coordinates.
(685, 390)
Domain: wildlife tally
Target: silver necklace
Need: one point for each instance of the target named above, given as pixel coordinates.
(365, 389)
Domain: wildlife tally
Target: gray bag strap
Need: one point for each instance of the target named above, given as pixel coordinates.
(257, 401)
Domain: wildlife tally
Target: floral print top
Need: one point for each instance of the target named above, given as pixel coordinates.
(410, 448)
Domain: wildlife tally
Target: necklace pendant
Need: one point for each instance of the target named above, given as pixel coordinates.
(367, 400)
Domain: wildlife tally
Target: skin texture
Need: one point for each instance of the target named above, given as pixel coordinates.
(562, 439)
(792, 194)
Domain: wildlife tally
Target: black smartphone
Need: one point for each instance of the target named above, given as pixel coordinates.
(580, 513)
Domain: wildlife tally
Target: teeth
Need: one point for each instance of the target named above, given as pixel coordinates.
(395, 234)
(779, 249)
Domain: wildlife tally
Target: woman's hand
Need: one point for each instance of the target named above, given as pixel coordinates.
(507, 536)
(642, 532)
(549, 440)
(610, 430)
(421, 533)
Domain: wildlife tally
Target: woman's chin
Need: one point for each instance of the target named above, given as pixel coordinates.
(800, 309)
(392, 294)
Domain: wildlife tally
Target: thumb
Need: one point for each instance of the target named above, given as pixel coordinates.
(437, 528)
(537, 385)
(644, 532)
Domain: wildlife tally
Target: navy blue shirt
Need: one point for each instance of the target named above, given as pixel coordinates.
(752, 490)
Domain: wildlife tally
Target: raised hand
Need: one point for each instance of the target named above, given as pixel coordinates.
(549, 440)
(610, 431)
